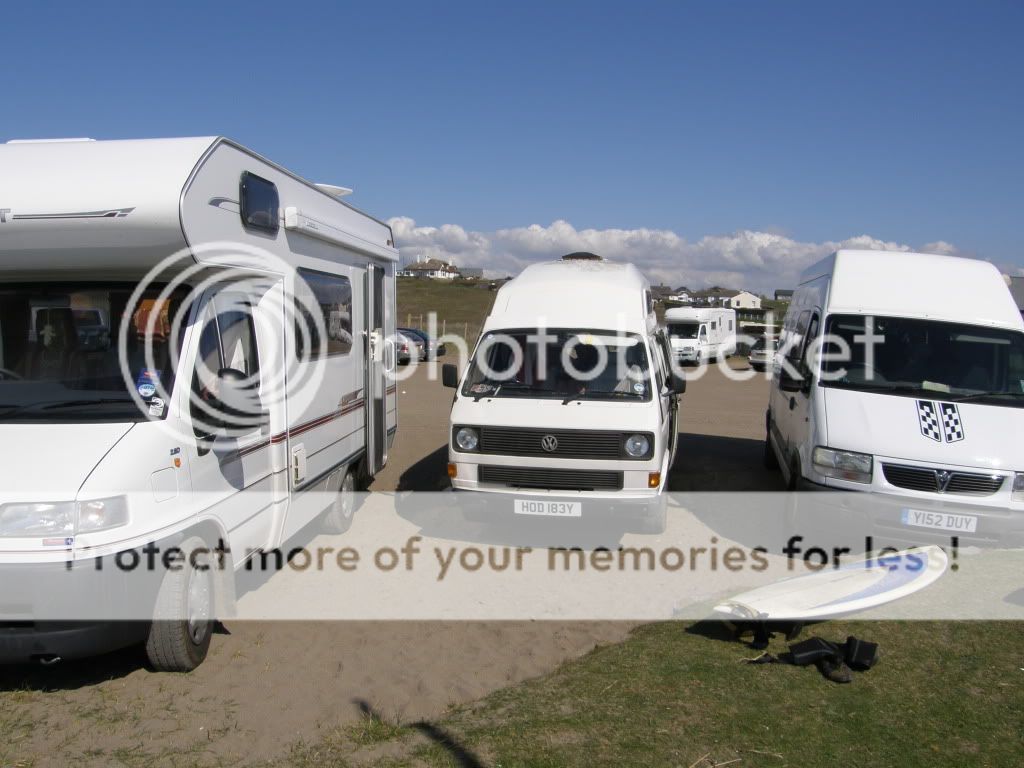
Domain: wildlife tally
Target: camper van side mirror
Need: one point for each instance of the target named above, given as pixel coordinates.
(237, 402)
(450, 375)
(677, 382)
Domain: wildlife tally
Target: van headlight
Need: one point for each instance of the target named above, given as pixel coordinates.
(44, 518)
(843, 465)
(637, 446)
(467, 439)
(1018, 487)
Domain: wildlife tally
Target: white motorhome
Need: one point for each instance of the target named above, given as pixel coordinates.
(568, 405)
(903, 374)
(701, 334)
(272, 306)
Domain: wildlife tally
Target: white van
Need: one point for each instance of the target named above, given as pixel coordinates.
(192, 351)
(903, 374)
(570, 402)
(701, 334)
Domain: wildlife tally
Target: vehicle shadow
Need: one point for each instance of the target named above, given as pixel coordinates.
(428, 474)
(459, 754)
(713, 463)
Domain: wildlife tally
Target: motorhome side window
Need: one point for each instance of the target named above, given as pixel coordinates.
(323, 315)
(259, 203)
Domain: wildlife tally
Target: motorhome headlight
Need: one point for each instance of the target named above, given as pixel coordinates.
(101, 514)
(1018, 487)
(467, 439)
(37, 518)
(843, 465)
(637, 446)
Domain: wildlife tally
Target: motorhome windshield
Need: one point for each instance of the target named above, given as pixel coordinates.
(683, 330)
(924, 358)
(59, 352)
(572, 364)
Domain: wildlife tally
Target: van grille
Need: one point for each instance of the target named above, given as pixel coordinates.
(551, 479)
(935, 481)
(572, 444)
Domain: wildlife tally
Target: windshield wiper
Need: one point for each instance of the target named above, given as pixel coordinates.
(982, 396)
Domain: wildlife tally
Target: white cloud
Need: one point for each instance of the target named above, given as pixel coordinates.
(758, 261)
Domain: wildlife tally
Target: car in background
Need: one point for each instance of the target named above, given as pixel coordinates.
(432, 347)
(762, 354)
(408, 348)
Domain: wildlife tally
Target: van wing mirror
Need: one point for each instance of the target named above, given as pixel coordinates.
(789, 382)
(450, 375)
(677, 382)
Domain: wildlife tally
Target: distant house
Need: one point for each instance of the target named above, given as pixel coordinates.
(660, 292)
(432, 268)
(783, 294)
(715, 296)
(745, 300)
(1017, 290)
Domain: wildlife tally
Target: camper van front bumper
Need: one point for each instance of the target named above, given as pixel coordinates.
(48, 642)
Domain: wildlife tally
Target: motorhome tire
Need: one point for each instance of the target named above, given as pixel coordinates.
(182, 626)
(771, 461)
(795, 473)
(338, 517)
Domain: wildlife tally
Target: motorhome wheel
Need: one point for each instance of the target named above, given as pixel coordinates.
(179, 637)
(338, 517)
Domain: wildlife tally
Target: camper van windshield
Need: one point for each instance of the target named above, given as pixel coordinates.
(59, 357)
(572, 364)
(924, 358)
(683, 330)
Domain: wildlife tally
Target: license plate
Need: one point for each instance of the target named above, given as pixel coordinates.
(548, 508)
(942, 521)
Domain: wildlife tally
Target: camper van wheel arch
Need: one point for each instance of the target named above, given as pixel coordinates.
(771, 460)
(338, 517)
(184, 615)
(795, 473)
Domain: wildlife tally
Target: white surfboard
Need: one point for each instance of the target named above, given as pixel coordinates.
(853, 587)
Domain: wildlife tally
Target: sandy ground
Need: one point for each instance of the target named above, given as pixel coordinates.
(267, 685)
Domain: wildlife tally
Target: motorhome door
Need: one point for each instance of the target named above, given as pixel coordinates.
(377, 352)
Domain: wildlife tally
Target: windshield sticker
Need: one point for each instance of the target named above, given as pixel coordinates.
(146, 383)
(156, 406)
(481, 389)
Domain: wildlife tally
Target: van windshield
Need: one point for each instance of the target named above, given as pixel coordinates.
(59, 357)
(683, 330)
(573, 364)
(930, 358)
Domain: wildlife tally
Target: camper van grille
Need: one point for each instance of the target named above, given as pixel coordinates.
(584, 444)
(936, 481)
(551, 479)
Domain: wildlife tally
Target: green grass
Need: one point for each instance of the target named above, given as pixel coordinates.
(943, 694)
(461, 307)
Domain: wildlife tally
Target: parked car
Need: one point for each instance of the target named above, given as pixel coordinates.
(432, 348)
(762, 354)
(408, 348)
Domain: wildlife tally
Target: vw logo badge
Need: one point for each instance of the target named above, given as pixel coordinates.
(943, 479)
(549, 443)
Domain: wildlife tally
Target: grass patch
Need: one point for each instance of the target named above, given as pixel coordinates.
(943, 694)
(461, 307)
(373, 729)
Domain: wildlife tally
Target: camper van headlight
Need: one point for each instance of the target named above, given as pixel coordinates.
(467, 439)
(843, 465)
(1018, 487)
(37, 518)
(637, 446)
(101, 514)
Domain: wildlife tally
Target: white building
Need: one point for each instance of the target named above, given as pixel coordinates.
(432, 268)
(745, 300)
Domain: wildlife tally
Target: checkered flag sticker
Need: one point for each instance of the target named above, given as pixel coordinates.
(940, 421)
(952, 427)
(929, 420)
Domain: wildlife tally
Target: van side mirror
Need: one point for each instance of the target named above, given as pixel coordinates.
(677, 382)
(237, 402)
(450, 375)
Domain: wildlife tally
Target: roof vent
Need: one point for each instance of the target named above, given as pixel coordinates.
(334, 190)
(581, 256)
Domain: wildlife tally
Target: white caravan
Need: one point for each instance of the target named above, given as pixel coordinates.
(903, 374)
(701, 334)
(274, 312)
(569, 406)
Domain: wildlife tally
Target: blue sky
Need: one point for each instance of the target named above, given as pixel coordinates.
(809, 122)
